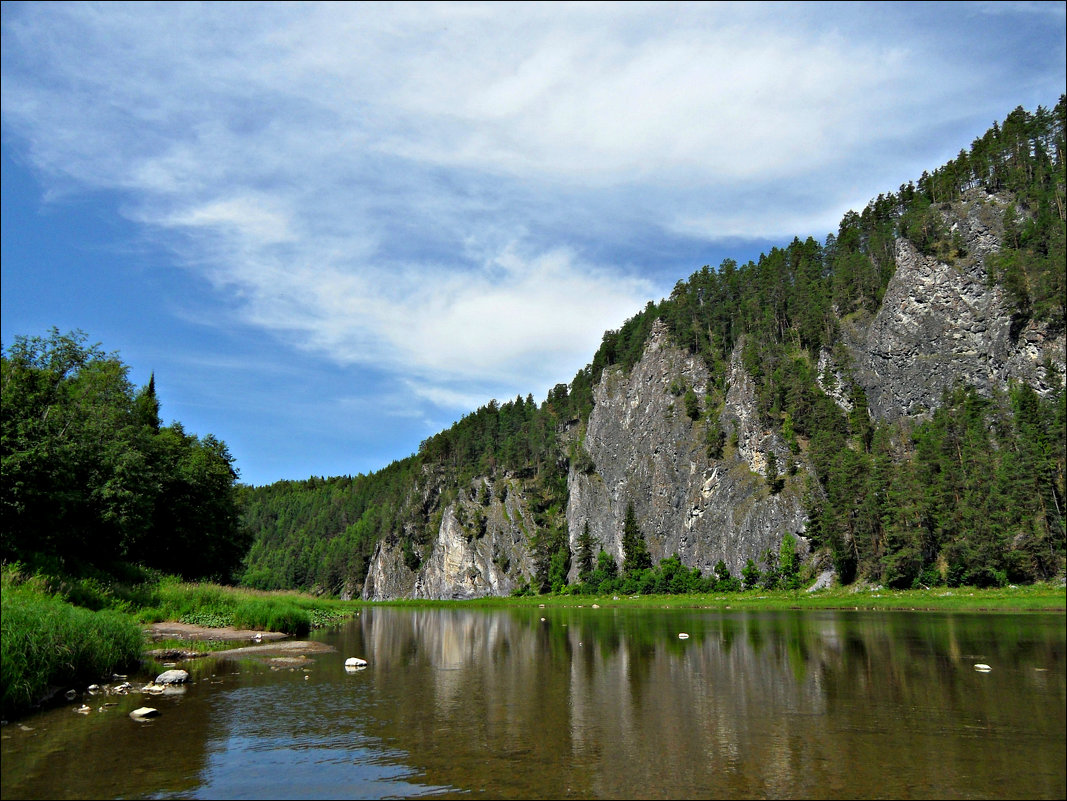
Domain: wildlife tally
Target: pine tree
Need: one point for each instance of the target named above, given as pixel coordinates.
(587, 547)
(634, 550)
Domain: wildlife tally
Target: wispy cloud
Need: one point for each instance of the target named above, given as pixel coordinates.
(403, 186)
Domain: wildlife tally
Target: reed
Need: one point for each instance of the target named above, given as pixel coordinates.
(47, 643)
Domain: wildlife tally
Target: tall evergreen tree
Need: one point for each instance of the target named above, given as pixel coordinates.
(634, 549)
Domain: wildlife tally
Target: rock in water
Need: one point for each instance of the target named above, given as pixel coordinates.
(172, 677)
(355, 661)
(144, 712)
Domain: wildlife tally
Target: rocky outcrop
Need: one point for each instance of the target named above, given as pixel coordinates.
(481, 548)
(646, 450)
(940, 324)
(944, 324)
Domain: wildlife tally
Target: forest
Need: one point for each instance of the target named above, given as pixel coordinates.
(972, 493)
(92, 480)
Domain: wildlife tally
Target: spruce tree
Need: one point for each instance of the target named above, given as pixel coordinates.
(634, 550)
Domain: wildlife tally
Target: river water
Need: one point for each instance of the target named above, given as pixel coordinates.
(582, 702)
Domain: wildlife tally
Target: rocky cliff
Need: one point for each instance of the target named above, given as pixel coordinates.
(646, 450)
(481, 547)
(941, 323)
(643, 449)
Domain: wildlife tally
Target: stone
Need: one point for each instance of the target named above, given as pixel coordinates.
(172, 677)
(355, 662)
(144, 712)
(683, 636)
(824, 581)
(982, 668)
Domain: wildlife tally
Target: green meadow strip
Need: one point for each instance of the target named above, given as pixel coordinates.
(1050, 597)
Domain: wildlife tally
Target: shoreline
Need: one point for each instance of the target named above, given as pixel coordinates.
(1047, 598)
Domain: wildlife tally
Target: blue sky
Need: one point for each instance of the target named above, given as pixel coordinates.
(332, 230)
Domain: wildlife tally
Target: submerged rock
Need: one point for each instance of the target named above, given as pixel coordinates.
(144, 712)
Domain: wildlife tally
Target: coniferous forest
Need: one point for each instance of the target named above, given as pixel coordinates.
(970, 493)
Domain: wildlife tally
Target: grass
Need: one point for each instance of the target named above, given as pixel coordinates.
(1046, 597)
(215, 606)
(58, 631)
(47, 643)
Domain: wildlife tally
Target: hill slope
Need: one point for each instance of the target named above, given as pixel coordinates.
(890, 400)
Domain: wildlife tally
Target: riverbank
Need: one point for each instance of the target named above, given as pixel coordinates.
(59, 632)
(1043, 597)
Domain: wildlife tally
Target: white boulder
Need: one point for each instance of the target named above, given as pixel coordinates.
(172, 677)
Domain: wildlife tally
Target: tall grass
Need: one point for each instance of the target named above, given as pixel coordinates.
(46, 643)
(59, 630)
(214, 605)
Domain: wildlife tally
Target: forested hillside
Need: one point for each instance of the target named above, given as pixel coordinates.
(964, 487)
(969, 492)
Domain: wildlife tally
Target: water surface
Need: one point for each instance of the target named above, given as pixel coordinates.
(591, 703)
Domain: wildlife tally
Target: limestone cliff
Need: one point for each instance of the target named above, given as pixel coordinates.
(481, 547)
(941, 324)
(647, 451)
(643, 443)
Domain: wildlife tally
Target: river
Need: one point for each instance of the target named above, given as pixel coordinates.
(588, 703)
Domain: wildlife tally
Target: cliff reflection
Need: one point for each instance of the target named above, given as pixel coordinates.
(592, 703)
(612, 704)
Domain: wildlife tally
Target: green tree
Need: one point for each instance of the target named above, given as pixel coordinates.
(774, 481)
(789, 563)
(587, 546)
(692, 404)
(90, 478)
(634, 549)
(750, 575)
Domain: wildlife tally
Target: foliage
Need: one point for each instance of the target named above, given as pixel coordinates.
(634, 549)
(46, 642)
(91, 478)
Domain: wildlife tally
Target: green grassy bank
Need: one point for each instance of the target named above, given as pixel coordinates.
(57, 632)
(1044, 597)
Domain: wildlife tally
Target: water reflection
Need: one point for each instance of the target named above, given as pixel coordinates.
(595, 703)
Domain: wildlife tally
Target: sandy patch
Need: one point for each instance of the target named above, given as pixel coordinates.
(187, 631)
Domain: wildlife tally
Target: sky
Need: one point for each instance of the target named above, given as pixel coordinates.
(331, 230)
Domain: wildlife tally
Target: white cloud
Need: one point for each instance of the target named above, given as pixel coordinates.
(402, 185)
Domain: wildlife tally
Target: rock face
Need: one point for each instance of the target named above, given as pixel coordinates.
(939, 324)
(481, 548)
(942, 324)
(647, 451)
